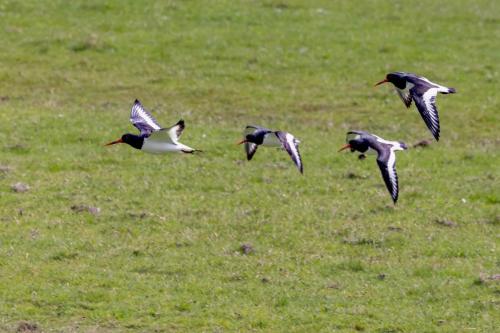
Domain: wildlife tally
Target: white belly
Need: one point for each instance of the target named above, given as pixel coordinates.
(155, 147)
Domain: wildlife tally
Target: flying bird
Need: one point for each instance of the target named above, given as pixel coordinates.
(255, 136)
(411, 87)
(364, 142)
(153, 138)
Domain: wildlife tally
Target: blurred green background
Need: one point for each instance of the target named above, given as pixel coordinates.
(110, 239)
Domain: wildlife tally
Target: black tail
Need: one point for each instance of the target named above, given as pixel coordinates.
(192, 151)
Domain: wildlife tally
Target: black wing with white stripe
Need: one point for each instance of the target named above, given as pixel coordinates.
(405, 96)
(143, 120)
(386, 161)
(291, 145)
(426, 105)
(251, 148)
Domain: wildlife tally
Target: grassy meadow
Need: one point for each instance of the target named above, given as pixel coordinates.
(161, 248)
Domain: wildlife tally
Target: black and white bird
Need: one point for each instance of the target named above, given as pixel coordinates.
(153, 138)
(386, 158)
(255, 136)
(419, 89)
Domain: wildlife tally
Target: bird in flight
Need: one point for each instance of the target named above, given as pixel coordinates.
(153, 138)
(365, 142)
(255, 136)
(411, 87)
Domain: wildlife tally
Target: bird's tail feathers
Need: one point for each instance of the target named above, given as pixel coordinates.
(445, 90)
(192, 151)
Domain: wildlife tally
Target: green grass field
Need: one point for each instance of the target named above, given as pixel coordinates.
(330, 252)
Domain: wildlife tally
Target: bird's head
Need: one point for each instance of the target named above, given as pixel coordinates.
(123, 139)
(130, 139)
(396, 78)
(355, 141)
(248, 138)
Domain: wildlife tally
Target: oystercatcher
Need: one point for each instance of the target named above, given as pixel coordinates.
(153, 138)
(254, 136)
(412, 87)
(386, 158)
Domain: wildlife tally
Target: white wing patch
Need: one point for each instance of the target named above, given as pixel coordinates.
(426, 105)
(162, 136)
(387, 142)
(430, 102)
(291, 145)
(439, 87)
(175, 131)
(391, 169)
(430, 82)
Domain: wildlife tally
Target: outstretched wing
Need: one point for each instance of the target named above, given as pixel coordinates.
(175, 131)
(143, 120)
(426, 105)
(354, 135)
(405, 95)
(168, 135)
(291, 145)
(252, 129)
(386, 161)
(250, 149)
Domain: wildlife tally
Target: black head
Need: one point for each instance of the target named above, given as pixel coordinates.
(356, 141)
(135, 141)
(396, 78)
(253, 138)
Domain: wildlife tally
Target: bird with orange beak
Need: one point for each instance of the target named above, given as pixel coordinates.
(255, 136)
(411, 87)
(153, 138)
(365, 142)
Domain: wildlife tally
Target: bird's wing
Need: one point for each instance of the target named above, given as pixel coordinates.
(168, 134)
(354, 135)
(252, 129)
(143, 120)
(291, 145)
(175, 131)
(251, 148)
(161, 136)
(426, 105)
(386, 161)
(405, 95)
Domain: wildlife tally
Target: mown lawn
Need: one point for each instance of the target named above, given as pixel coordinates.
(326, 251)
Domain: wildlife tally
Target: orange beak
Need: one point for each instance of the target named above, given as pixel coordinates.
(345, 147)
(242, 141)
(114, 142)
(383, 81)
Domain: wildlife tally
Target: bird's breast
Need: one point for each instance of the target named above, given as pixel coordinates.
(156, 147)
